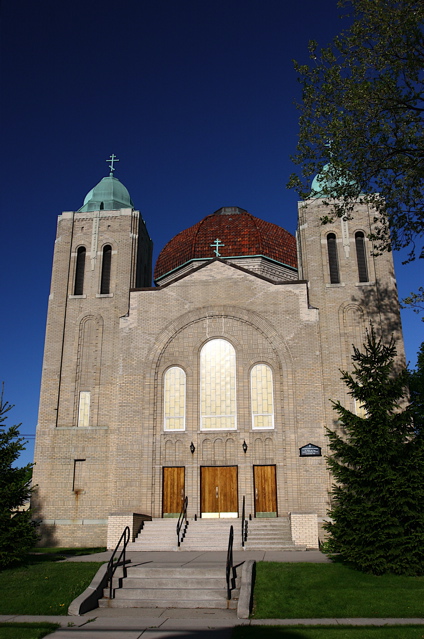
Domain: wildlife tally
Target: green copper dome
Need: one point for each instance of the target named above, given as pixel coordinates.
(109, 195)
(324, 184)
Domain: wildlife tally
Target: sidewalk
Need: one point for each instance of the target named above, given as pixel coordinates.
(165, 623)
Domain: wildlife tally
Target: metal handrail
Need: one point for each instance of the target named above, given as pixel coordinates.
(181, 519)
(229, 567)
(243, 523)
(111, 567)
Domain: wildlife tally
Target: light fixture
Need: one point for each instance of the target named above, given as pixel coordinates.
(244, 446)
(192, 448)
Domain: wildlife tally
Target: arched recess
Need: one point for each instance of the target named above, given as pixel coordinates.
(262, 396)
(333, 259)
(361, 257)
(218, 405)
(177, 345)
(90, 338)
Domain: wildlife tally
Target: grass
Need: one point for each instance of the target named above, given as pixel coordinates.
(26, 630)
(328, 632)
(290, 591)
(43, 586)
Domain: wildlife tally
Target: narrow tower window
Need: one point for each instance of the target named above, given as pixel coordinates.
(333, 261)
(361, 256)
(106, 264)
(79, 272)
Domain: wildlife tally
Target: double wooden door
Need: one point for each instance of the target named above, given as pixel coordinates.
(265, 487)
(173, 490)
(219, 491)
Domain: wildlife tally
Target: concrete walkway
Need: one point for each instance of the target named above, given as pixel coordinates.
(166, 623)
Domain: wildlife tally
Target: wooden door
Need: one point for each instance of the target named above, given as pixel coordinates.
(173, 491)
(219, 491)
(265, 486)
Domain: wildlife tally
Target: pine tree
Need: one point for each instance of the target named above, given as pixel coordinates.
(378, 464)
(416, 391)
(17, 531)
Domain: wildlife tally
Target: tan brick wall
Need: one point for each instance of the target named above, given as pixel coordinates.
(304, 529)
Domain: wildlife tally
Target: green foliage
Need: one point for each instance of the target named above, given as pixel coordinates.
(17, 532)
(416, 391)
(338, 631)
(378, 464)
(362, 110)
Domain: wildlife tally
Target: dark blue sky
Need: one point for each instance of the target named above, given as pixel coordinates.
(195, 97)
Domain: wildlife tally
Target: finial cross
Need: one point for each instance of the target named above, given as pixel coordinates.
(217, 244)
(112, 160)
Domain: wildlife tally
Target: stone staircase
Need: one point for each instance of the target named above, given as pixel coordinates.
(212, 534)
(270, 534)
(158, 534)
(200, 586)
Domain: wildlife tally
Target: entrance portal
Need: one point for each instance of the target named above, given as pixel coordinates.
(173, 491)
(219, 491)
(265, 486)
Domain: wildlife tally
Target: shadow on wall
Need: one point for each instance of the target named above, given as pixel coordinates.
(46, 532)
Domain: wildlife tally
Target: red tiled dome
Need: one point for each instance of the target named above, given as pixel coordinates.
(239, 233)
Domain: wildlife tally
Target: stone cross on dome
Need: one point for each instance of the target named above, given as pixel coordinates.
(112, 159)
(217, 244)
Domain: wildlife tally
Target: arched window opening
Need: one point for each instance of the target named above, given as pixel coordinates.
(262, 396)
(79, 272)
(333, 261)
(361, 257)
(174, 399)
(218, 386)
(106, 266)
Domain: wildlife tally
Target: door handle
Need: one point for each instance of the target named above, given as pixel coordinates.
(216, 492)
(256, 494)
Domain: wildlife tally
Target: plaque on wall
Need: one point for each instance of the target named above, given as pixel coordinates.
(310, 450)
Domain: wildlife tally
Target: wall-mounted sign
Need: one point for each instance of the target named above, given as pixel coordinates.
(310, 450)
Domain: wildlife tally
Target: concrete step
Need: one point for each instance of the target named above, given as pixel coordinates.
(164, 582)
(221, 604)
(183, 594)
(177, 572)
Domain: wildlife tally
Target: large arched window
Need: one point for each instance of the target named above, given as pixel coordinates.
(361, 256)
(218, 386)
(106, 264)
(174, 399)
(262, 399)
(79, 272)
(333, 261)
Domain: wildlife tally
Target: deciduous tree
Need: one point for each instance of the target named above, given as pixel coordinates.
(362, 117)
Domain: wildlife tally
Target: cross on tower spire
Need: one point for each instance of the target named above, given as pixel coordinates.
(112, 160)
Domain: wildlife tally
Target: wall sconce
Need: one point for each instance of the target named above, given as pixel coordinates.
(192, 448)
(244, 446)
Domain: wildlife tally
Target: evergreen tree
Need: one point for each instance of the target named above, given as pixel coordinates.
(378, 464)
(416, 391)
(17, 531)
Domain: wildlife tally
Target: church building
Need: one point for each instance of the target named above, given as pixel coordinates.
(215, 383)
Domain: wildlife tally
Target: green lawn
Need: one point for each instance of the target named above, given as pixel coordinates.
(328, 632)
(26, 630)
(44, 586)
(288, 591)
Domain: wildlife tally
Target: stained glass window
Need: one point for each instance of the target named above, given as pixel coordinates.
(262, 396)
(174, 399)
(218, 386)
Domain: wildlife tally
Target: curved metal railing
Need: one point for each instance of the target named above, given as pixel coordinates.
(113, 565)
(229, 571)
(182, 523)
